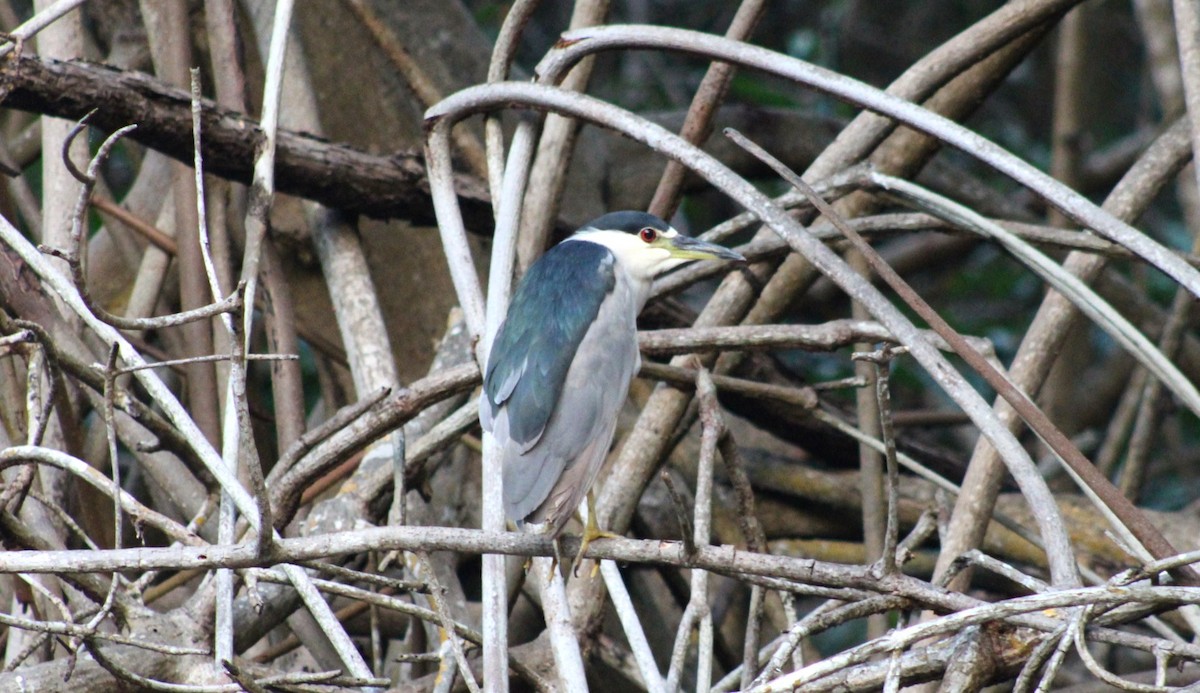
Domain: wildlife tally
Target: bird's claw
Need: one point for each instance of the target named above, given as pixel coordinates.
(591, 532)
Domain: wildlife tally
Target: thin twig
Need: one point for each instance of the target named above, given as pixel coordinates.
(697, 614)
(680, 506)
(239, 448)
(503, 52)
(437, 595)
(36, 23)
(697, 124)
(889, 560)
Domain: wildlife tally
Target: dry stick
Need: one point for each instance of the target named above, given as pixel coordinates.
(1076, 631)
(278, 313)
(756, 540)
(679, 505)
(508, 210)
(1146, 533)
(261, 193)
(74, 630)
(237, 438)
(508, 214)
(499, 284)
(556, 147)
(725, 559)
(170, 49)
(243, 678)
(639, 646)
(871, 464)
(1187, 34)
(214, 358)
(503, 52)
(881, 360)
(279, 320)
(564, 643)
(1142, 440)
(390, 187)
(110, 426)
(826, 336)
(697, 124)
(34, 24)
(979, 559)
(39, 404)
(698, 613)
(148, 231)
(803, 398)
(891, 682)
(1068, 110)
(438, 597)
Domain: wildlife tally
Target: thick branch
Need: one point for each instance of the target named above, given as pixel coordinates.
(306, 166)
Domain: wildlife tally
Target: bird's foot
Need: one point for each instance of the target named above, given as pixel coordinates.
(591, 532)
(557, 558)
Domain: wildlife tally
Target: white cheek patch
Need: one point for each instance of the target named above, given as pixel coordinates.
(639, 259)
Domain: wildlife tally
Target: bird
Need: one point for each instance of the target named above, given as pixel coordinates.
(560, 365)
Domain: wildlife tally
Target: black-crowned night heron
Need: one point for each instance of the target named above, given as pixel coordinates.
(560, 367)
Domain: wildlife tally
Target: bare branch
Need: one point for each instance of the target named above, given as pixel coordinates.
(376, 186)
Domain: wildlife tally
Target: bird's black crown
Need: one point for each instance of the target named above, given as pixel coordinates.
(628, 221)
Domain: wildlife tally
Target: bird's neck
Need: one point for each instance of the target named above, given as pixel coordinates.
(638, 287)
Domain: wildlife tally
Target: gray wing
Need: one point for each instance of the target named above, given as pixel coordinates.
(546, 482)
(551, 313)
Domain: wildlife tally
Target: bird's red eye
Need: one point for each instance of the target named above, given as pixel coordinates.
(648, 234)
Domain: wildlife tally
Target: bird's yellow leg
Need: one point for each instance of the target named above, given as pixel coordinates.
(591, 532)
(557, 554)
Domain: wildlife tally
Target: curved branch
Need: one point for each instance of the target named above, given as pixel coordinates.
(575, 45)
(20, 454)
